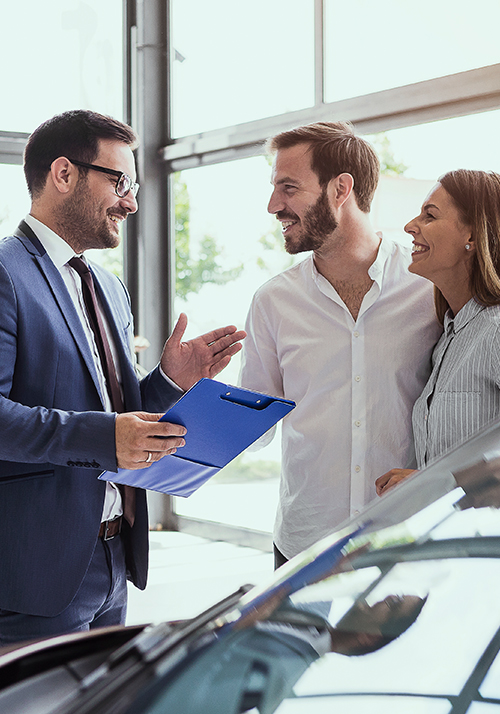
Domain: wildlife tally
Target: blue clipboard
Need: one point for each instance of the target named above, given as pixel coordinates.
(221, 422)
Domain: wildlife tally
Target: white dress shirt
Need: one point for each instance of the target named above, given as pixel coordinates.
(60, 252)
(354, 382)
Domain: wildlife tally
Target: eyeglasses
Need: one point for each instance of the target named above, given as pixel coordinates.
(124, 183)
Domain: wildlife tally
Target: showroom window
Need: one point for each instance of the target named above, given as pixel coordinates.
(64, 55)
(374, 46)
(238, 62)
(206, 83)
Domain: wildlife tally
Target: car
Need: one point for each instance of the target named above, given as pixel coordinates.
(398, 611)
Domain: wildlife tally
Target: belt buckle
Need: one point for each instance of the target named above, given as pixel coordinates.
(106, 535)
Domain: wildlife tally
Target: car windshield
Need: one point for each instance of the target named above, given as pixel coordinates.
(398, 611)
(351, 625)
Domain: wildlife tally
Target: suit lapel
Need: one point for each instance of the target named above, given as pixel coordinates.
(57, 287)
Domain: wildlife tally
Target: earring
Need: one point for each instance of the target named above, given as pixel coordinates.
(467, 247)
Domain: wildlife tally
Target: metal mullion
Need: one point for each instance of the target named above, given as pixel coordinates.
(441, 98)
(12, 145)
(319, 55)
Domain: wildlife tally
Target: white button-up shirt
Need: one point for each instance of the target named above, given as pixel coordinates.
(354, 382)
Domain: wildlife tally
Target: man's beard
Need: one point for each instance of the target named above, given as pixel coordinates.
(317, 225)
(82, 223)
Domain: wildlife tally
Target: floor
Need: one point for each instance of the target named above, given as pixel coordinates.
(187, 574)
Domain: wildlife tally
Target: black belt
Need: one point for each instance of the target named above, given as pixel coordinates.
(110, 529)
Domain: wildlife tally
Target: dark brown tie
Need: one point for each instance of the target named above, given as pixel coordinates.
(108, 366)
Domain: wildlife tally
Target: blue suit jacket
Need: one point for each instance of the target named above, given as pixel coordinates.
(55, 438)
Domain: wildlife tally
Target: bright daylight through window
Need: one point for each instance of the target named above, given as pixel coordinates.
(238, 74)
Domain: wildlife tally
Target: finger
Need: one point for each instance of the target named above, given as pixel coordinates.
(179, 329)
(380, 488)
(398, 478)
(381, 483)
(219, 333)
(219, 366)
(225, 359)
(154, 427)
(151, 457)
(148, 416)
(227, 346)
(163, 446)
(388, 486)
(162, 430)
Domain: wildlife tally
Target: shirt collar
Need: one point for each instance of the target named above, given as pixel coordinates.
(57, 249)
(376, 269)
(456, 323)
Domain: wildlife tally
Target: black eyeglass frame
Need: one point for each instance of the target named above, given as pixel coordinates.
(134, 187)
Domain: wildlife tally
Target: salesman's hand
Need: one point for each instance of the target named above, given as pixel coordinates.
(391, 478)
(141, 439)
(205, 356)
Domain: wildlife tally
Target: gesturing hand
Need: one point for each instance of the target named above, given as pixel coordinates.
(205, 356)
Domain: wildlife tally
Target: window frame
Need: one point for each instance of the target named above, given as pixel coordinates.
(149, 241)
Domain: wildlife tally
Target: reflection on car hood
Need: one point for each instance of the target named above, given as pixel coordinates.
(468, 476)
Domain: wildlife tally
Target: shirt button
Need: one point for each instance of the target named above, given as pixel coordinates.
(356, 334)
(357, 422)
(357, 469)
(357, 378)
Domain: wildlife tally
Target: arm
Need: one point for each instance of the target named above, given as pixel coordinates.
(31, 431)
(260, 368)
(50, 411)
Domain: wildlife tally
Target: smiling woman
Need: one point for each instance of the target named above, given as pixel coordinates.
(443, 247)
(456, 241)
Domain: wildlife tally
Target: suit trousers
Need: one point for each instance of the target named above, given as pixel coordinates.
(100, 601)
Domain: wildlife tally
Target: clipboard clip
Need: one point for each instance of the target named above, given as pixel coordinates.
(246, 398)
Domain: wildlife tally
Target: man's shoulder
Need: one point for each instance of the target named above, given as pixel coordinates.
(12, 251)
(397, 251)
(287, 280)
(9, 242)
(399, 260)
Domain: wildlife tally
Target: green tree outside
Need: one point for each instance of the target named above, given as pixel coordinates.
(193, 272)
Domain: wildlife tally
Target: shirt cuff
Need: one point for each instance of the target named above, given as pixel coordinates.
(170, 381)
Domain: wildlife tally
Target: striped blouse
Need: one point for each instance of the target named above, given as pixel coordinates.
(463, 391)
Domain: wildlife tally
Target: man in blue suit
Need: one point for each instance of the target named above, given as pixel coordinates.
(68, 541)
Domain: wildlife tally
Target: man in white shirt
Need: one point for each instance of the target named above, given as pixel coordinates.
(347, 334)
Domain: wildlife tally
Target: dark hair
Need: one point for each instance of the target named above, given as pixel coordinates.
(476, 195)
(74, 134)
(336, 149)
(389, 630)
